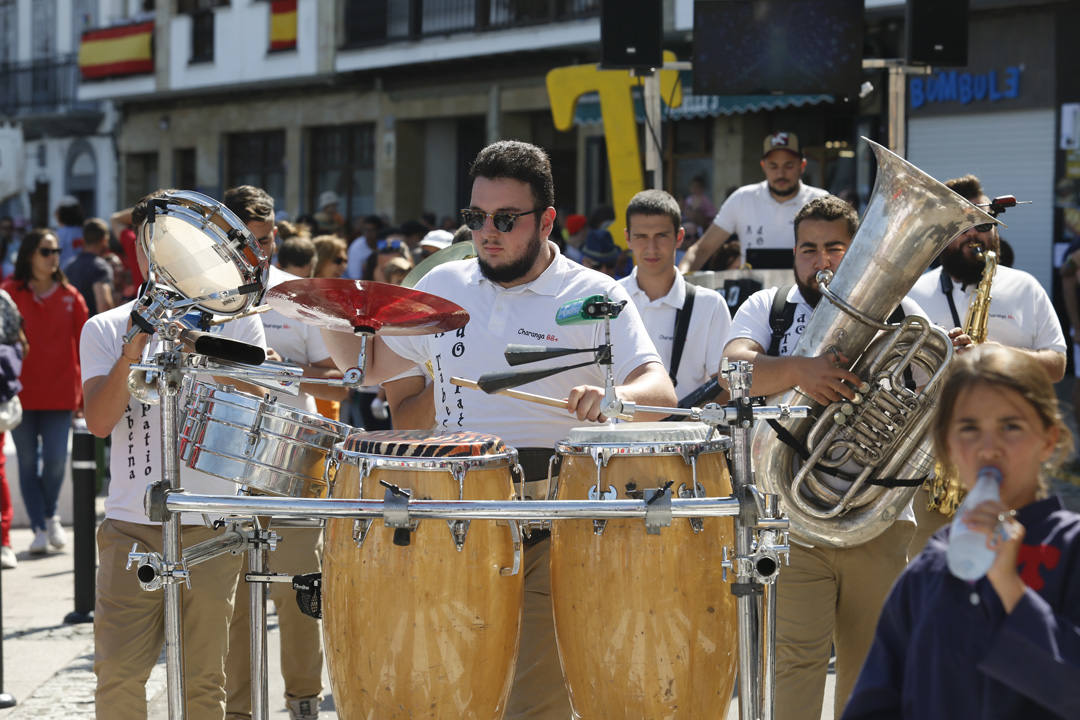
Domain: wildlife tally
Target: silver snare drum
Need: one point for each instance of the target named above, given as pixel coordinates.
(260, 443)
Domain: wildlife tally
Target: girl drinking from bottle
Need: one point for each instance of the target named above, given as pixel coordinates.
(1008, 644)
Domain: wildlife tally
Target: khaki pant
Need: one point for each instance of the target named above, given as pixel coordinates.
(927, 522)
(299, 550)
(539, 692)
(129, 625)
(831, 597)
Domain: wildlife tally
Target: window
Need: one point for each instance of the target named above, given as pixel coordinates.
(140, 176)
(202, 36)
(343, 160)
(184, 169)
(258, 159)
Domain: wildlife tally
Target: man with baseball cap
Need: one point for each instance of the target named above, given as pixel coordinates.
(762, 214)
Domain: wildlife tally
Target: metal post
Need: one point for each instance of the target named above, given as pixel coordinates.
(739, 378)
(260, 701)
(84, 487)
(168, 390)
(653, 167)
(898, 110)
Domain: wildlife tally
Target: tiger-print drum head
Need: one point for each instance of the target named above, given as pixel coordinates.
(424, 444)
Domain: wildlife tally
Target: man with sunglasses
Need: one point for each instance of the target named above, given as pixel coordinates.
(512, 291)
(1021, 314)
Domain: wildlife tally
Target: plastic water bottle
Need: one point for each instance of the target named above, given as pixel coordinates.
(968, 556)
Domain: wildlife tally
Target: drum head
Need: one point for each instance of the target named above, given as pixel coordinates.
(201, 249)
(641, 432)
(424, 444)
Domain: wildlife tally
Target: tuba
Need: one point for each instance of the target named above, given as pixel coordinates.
(845, 472)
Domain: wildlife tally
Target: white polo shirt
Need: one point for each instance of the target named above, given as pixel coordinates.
(295, 341)
(710, 322)
(135, 456)
(759, 220)
(524, 314)
(1021, 314)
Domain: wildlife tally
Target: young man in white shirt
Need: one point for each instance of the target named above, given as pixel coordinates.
(1021, 314)
(761, 214)
(512, 291)
(129, 629)
(662, 296)
(827, 596)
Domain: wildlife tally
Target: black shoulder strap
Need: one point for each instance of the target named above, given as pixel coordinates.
(947, 287)
(781, 316)
(682, 325)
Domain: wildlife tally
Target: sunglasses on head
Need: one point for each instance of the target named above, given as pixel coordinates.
(48, 252)
(503, 221)
(392, 245)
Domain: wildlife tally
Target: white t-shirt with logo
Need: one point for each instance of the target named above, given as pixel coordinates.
(295, 341)
(710, 322)
(524, 314)
(1021, 314)
(759, 220)
(135, 456)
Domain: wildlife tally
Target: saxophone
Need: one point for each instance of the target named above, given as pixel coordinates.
(944, 487)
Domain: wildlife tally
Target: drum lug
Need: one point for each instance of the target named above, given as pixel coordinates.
(725, 564)
(595, 494)
(697, 524)
(458, 530)
(657, 509)
(552, 487)
(360, 531)
(515, 536)
(253, 434)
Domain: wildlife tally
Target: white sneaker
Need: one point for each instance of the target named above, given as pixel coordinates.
(8, 561)
(304, 708)
(57, 536)
(40, 543)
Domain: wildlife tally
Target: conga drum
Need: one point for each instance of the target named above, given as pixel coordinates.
(645, 624)
(422, 622)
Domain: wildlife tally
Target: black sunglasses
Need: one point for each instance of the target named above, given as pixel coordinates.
(48, 252)
(984, 227)
(383, 245)
(503, 221)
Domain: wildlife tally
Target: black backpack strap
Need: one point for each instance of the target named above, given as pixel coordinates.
(682, 326)
(947, 288)
(781, 316)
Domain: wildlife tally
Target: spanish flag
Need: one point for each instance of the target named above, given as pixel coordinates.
(283, 24)
(114, 51)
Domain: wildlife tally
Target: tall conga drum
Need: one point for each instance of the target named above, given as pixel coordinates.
(645, 623)
(422, 622)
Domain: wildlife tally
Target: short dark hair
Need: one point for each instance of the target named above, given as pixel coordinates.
(141, 210)
(70, 214)
(95, 231)
(31, 241)
(967, 187)
(296, 251)
(518, 161)
(654, 202)
(250, 203)
(828, 208)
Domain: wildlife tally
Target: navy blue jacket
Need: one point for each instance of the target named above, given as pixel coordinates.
(945, 648)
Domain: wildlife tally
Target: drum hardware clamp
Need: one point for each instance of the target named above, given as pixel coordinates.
(154, 573)
(658, 508)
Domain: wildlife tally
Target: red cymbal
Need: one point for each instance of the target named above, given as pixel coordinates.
(365, 306)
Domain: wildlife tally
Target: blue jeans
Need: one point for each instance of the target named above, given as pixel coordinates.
(41, 466)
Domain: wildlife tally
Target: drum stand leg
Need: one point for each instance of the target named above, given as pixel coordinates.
(257, 564)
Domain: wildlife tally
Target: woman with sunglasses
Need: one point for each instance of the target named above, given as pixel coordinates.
(390, 247)
(1008, 644)
(53, 315)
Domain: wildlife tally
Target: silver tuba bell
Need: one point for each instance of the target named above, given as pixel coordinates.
(837, 469)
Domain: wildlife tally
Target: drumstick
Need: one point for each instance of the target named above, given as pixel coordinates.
(247, 313)
(520, 395)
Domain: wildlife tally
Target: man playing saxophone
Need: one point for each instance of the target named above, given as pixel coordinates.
(828, 596)
(1018, 314)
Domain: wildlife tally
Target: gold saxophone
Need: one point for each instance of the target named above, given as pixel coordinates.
(944, 487)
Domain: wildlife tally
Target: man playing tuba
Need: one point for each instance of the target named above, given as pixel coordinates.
(829, 596)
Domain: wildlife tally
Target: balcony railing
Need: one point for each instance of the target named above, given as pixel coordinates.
(372, 22)
(40, 87)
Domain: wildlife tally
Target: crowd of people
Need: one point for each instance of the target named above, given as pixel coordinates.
(905, 633)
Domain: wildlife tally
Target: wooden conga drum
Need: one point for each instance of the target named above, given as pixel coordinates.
(429, 629)
(645, 624)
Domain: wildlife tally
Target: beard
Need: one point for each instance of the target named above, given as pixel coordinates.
(810, 293)
(968, 270)
(515, 269)
(786, 192)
